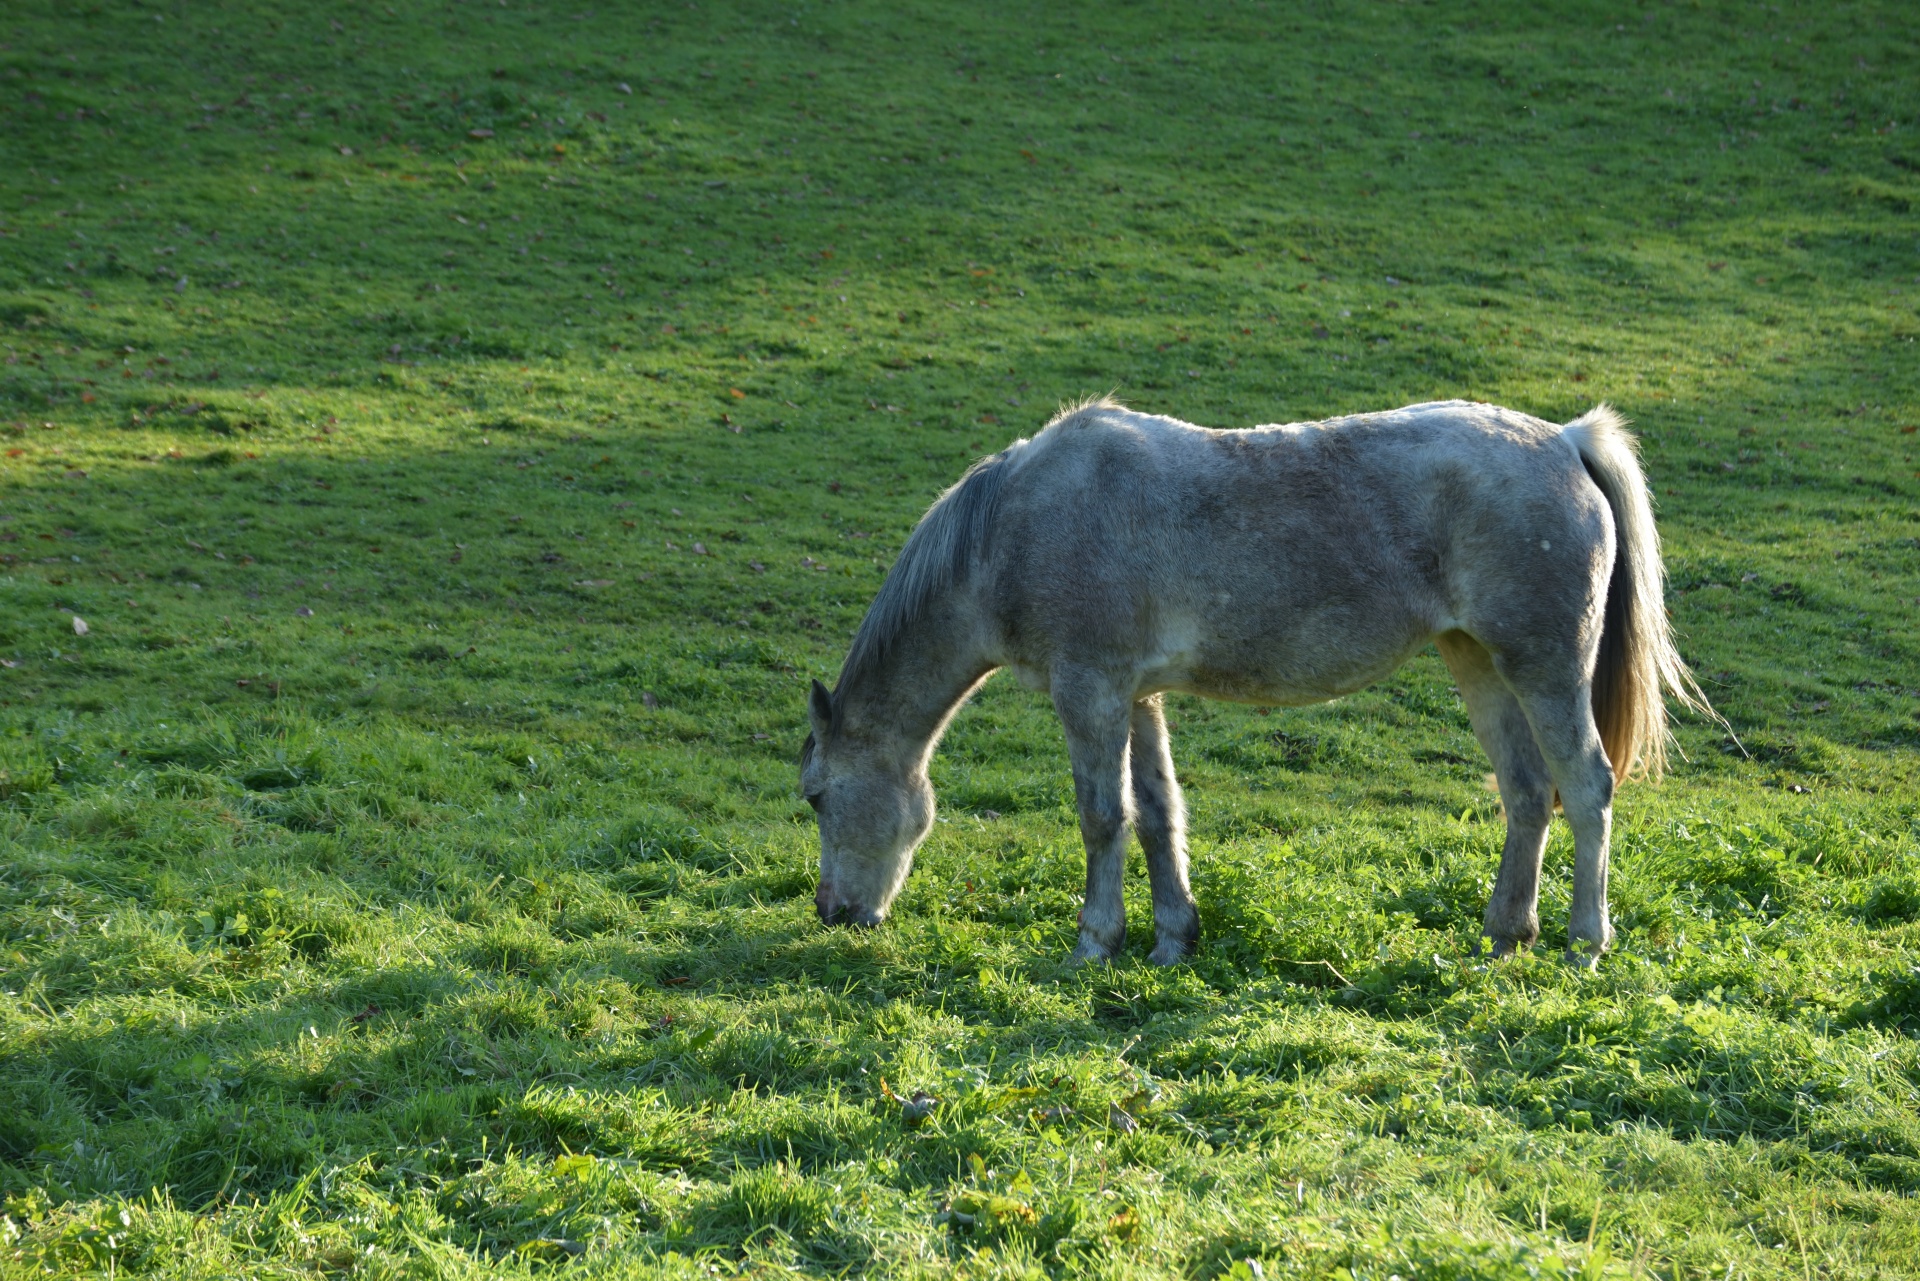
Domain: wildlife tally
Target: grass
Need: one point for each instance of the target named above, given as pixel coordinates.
(463, 429)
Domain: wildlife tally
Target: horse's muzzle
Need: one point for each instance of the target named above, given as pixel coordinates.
(835, 913)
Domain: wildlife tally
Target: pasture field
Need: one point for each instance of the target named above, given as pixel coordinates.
(442, 440)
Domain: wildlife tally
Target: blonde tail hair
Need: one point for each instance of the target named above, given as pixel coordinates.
(1638, 663)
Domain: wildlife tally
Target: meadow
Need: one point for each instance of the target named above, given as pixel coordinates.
(442, 440)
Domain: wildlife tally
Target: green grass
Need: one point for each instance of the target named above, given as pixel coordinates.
(464, 429)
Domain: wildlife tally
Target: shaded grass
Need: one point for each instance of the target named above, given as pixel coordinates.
(463, 431)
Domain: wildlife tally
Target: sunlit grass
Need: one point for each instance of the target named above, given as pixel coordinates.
(464, 430)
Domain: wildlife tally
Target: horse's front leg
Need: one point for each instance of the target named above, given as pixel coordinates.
(1160, 817)
(1095, 715)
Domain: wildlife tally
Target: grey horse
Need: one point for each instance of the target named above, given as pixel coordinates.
(1117, 555)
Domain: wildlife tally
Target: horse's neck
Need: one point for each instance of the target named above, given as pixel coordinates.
(902, 702)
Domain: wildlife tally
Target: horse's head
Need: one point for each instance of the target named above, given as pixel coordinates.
(874, 809)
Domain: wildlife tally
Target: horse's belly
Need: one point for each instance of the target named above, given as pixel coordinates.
(1289, 666)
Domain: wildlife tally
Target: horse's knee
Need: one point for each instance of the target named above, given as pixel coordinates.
(1102, 825)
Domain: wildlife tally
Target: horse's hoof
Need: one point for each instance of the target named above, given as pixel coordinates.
(1503, 948)
(1582, 960)
(1170, 952)
(1090, 954)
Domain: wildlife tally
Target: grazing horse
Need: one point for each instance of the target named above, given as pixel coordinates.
(1117, 555)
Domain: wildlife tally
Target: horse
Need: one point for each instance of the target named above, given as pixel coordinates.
(1118, 555)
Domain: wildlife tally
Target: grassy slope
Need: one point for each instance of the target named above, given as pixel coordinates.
(403, 873)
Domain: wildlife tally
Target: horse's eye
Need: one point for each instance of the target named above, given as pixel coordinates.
(813, 799)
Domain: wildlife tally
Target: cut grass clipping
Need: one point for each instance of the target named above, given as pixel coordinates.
(442, 441)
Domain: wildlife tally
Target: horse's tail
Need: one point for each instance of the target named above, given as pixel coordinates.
(1638, 663)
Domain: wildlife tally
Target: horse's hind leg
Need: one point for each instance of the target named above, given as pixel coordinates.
(1563, 726)
(1160, 818)
(1095, 716)
(1526, 790)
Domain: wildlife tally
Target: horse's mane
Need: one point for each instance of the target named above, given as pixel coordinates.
(936, 558)
(939, 554)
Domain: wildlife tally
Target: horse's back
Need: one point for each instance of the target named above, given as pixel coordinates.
(1089, 456)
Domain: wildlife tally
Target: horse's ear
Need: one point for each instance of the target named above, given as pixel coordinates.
(820, 710)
